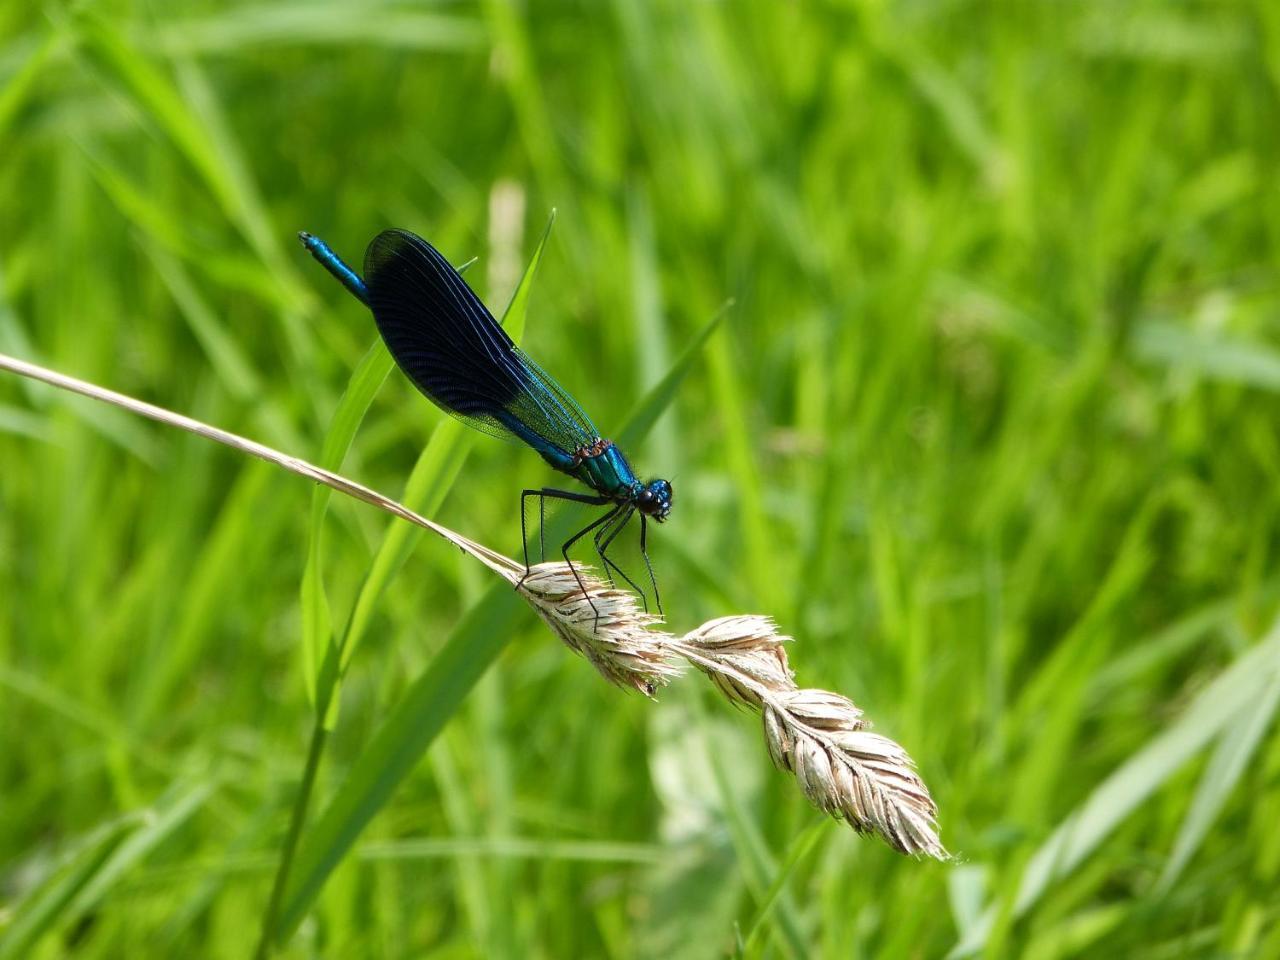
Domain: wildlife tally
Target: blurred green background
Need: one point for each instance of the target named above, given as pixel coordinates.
(991, 430)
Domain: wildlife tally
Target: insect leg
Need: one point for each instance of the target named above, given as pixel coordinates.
(603, 550)
(644, 529)
(589, 499)
(607, 531)
(524, 536)
(564, 550)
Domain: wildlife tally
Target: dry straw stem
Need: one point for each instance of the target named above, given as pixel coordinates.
(821, 737)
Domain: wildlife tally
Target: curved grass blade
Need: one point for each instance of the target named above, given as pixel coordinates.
(1216, 708)
(216, 567)
(316, 618)
(45, 907)
(1228, 764)
(398, 745)
(402, 740)
(513, 317)
(234, 369)
(176, 807)
(17, 89)
(755, 859)
(800, 848)
(274, 26)
(645, 413)
(93, 873)
(131, 438)
(429, 482)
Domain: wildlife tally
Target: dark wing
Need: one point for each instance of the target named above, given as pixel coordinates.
(449, 345)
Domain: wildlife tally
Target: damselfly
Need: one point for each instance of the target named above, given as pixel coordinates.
(449, 345)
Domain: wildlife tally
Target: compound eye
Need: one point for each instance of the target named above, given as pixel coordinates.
(646, 496)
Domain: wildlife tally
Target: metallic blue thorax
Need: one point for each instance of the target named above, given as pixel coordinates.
(599, 464)
(603, 468)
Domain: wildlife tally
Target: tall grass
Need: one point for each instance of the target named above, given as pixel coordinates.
(991, 426)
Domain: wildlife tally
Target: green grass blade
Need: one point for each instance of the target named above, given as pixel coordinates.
(513, 319)
(110, 424)
(219, 563)
(15, 92)
(756, 861)
(159, 99)
(645, 413)
(1250, 362)
(107, 855)
(45, 907)
(234, 369)
(145, 211)
(183, 107)
(399, 744)
(244, 28)
(167, 817)
(365, 382)
(433, 474)
(1216, 708)
(733, 399)
(801, 847)
(1228, 764)
(23, 423)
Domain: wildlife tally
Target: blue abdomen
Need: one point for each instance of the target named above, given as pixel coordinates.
(564, 462)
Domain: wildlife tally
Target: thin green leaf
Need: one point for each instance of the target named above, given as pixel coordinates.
(158, 98)
(1215, 356)
(1082, 831)
(301, 24)
(514, 848)
(801, 846)
(1220, 777)
(740, 444)
(45, 907)
(16, 90)
(181, 105)
(755, 858)
(220, 562)
(433, 474)
(398, 745)
(645, 413)
(316, 618)
(233, 367)
(513, 320)
(24, 423)
(170, 813)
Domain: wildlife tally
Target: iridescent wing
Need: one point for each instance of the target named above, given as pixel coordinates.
(450, 346)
